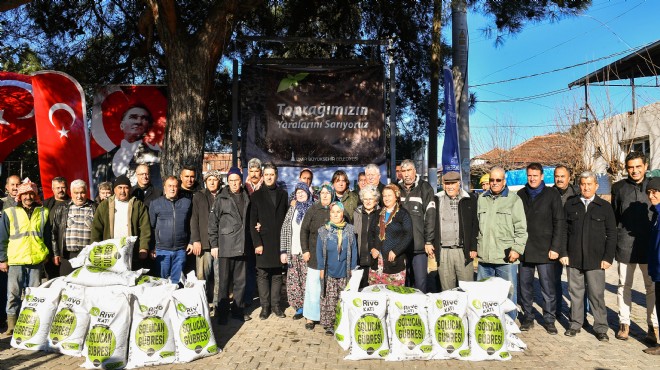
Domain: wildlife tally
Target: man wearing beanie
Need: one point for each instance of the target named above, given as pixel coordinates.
(23, 232)
(229, 238)
(122, 216)
(202, 202)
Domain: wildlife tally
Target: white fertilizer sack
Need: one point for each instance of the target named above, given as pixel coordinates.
(193, 334)
(342, 329)
(152, 339)
(112, 254)
(97, 277)
(408, 325)
(367, 316)
(486, 318)
(71, 322)
(33, 323)
(106, 345)
(449, 325)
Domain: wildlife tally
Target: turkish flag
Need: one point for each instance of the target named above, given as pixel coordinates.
(62, 139)
(16, 111)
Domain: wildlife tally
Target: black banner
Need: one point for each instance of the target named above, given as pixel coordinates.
(297, 116)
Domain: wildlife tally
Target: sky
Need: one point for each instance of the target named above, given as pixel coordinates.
(607, 27)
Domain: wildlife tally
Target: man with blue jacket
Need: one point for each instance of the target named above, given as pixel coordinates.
(170, 219)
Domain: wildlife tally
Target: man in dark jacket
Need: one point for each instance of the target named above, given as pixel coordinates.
(363, 218)
(633, 213)
(590, 243)
(566, 190)
(456, 227)
(268, 208)
(59, 199)
(144, 190)
(202, 202)
(72, 227)
(545, 221)
(653, 192)
(170, 219)
(417, 197)
(228, 226)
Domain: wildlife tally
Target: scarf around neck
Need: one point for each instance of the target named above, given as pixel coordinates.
(533, 193)
(382, 224)
(338, 228)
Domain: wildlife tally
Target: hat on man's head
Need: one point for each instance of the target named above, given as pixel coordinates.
(121, 180)
(654, 184)
(234, 171)
(25, 187)
(213, 173)
(451, 176)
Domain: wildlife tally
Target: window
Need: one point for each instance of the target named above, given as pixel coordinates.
(641, 144)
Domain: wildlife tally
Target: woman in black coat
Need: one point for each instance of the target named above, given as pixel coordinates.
(269, 206)
(390, 236)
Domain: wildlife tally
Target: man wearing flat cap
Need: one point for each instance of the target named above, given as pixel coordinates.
(456, 227)
(202, 202)
(24, 236)
(122, 216)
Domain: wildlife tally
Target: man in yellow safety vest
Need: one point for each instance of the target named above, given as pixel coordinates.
(24, 231)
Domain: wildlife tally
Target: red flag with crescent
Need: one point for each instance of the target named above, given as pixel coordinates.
(62, 138)
(16, 111)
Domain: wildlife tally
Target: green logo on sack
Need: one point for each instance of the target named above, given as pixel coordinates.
(95, 311)
(104, 255)
(409, 329)
(401, 289)
(151, 335)
(338, 315)
(357, 302)
(438, 303)
(180, 307)
(195, 333)
(27, 325)
(449, 332)
(476, 304)
(101, 343)
(369, 333)
(489, 333)
(63, 325)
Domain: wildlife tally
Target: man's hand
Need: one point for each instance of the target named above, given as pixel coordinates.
(259, 250)
(605, 265)
(56, 260)
(391, 256)
(152, 254)
(293, 203)
(283, 258)
(374, 253)
(553, 255)
(214, 252)
(197, 248)
(189, 249)
(430, 251)
(258, 227)
(473, 254)
(4, 266)
(142, 255)
(322, 274)
(306, 256)
(513, 256)
(564, 261)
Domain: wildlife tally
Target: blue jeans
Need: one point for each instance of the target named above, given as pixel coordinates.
(507, 272)
(170, 263)
(20, 277)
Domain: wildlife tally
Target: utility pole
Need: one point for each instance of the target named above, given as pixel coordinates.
(435, 87)
(459, 38)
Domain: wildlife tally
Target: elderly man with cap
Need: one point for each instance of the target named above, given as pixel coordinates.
(484, 182)
(229, 237)
(456, 227)
(122, 216)
(24, 234)
(653, 192)
(202, 202)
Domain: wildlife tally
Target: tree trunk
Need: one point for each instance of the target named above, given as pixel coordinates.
(435, 87)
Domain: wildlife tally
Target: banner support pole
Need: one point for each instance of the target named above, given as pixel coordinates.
(392, 115)
(234, 115)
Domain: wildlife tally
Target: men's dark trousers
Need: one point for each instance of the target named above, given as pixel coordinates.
(546, 273)
(420, 266)
(269, 283)
(231, 273)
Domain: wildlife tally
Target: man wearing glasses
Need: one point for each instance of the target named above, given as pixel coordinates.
(144, 190)
(502, 233)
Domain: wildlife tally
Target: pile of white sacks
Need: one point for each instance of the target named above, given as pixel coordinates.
(114, 317)
(397, 323)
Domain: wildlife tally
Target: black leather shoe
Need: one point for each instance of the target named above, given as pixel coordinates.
(526, 325)
(571, 332)
(329, 332)
(602, 337)
(246, 317)
(298, 316)
(279, 313)
(265, 312)
(309, 325)
(550, 328)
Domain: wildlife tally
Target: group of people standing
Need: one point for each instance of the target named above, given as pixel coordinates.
(306, 243)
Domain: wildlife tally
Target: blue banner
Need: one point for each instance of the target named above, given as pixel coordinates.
(450, 157)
